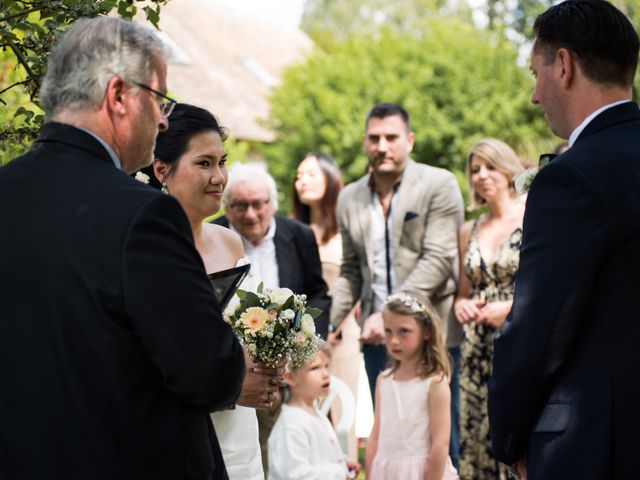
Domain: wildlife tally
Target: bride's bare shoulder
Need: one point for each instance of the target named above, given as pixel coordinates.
(225, 238)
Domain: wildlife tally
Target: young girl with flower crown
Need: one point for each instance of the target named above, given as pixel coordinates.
(303, 444)
(410, 436)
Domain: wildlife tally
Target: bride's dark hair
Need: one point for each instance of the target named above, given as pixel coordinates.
(185, 122)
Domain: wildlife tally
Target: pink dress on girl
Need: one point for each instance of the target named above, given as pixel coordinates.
(404, 441)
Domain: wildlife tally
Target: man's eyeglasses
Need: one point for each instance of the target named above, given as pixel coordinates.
(242, 207)
(166, 103)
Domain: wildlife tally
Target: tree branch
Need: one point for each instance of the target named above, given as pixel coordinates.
(11, 86)
(24, 13)
(21, 59)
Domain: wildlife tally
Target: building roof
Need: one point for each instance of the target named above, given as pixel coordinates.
(228, 62)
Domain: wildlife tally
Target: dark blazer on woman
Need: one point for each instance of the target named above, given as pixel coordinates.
(112, 346)
(566, 368)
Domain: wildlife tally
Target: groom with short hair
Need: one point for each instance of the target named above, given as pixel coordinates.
(563, 396)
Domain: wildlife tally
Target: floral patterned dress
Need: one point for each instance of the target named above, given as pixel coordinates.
(490, 281)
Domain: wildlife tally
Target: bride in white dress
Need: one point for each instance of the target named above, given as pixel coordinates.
(190, 166)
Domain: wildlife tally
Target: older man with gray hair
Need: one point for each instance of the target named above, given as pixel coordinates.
(113, 349)
(283, 252)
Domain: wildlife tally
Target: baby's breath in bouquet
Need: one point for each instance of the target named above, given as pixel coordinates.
(275, 326)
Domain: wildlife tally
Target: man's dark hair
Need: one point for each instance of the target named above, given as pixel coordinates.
(384, 110)
(597, 33)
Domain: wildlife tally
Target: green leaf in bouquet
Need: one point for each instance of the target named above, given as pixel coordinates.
(297, 320)
(280, 328)
(314, 312)
(251, 300)
(288, 302)
(241, 294)
(260, 287)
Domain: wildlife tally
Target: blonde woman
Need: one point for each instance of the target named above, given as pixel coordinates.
(489, 254)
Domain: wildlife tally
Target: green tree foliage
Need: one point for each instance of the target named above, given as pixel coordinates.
(520, 15)
(516, 15)
(631, 8)
(16, 129)
(328, 21)
(28, 29)
(457, 83)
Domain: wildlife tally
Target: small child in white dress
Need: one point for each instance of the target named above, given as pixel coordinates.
(303, 444)
(412, 419)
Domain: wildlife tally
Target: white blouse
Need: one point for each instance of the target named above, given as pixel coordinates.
(303, 446)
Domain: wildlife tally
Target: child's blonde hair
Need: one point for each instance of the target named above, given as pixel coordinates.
(289, 369)
(323, 347)
(434, 357)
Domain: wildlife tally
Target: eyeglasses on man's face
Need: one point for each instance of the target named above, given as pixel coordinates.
(166, 103)
(243, 207)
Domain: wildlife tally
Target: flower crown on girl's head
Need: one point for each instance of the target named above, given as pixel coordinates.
(434, 353)
(407, 301)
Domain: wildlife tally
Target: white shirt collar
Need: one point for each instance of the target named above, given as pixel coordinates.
(264, 262)
(576, 133)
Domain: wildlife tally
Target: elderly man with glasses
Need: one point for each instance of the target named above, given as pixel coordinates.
(283, 252)
(113, 346)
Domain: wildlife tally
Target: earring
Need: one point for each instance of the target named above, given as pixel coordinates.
(164, 188)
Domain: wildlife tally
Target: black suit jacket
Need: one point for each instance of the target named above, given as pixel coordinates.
(566, 368)
(299, 265)
(113, 349)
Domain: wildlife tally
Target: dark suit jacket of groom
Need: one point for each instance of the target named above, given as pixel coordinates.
(566, 368)
(112, 350)
(299, 265)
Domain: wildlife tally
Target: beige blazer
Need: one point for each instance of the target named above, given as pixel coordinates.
(425, 221)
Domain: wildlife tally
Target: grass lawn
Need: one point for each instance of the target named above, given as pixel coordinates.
(362, 445)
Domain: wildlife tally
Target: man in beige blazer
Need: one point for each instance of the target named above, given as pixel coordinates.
(399, 227)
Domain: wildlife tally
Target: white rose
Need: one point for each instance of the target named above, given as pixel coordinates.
(232, 306)
(308, 325)
(280, 295)
(288, 314)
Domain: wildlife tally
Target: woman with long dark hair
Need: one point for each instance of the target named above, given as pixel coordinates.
(190, 165)
(315, 195)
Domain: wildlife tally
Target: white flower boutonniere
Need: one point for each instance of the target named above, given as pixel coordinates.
(523, 181)
(142, 177)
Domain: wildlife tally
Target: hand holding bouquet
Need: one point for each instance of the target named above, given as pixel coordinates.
(275, 326)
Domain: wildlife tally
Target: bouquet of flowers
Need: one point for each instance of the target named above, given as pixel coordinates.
(274, 325)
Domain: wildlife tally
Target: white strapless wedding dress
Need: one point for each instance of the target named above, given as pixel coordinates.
(237, 432)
